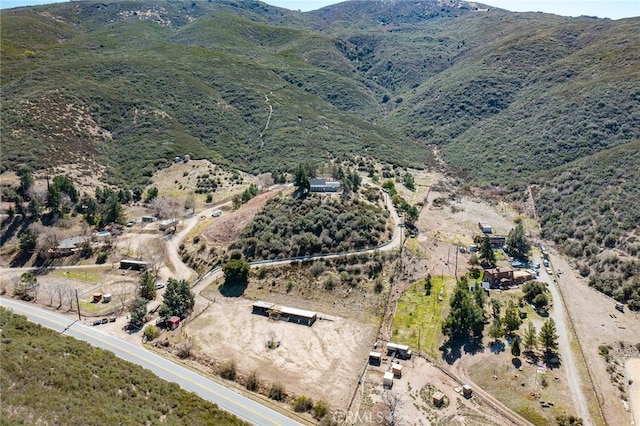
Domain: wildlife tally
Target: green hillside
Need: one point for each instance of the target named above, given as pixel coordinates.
(591, 204)
(507, 98)
(49, 378)
(133, 84)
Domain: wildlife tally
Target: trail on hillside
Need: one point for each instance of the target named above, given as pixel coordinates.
(266, 126)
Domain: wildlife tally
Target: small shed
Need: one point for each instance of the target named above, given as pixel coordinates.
(168, 224)
(485, 227)
(438, 399)
(138, 265)
(467, 391)
(398, 350)
(387, 380)
(396, 369)
(375, 358)
(173, 322)
(106, 298)
(96, 297)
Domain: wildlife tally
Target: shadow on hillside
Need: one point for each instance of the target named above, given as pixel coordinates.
(452, 349)
(233, 289)
(12, 226)
(20, 259)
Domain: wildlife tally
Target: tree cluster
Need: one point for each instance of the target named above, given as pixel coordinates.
(246, 195)
(466, 317)
(178, 299)
(290, 227)
(517, 243)
(535, 292)
(302, 174)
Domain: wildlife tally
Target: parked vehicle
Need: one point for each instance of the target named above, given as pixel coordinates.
(217, 213)
(159, 285)
(620, 306)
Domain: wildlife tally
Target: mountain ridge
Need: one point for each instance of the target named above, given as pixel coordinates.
(507, 98)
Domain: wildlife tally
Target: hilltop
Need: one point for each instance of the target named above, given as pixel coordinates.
(506, 99)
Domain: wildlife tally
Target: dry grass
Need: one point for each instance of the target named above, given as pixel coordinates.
(180, 180)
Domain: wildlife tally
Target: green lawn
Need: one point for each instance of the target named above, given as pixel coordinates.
(418, 317)
(91, 275)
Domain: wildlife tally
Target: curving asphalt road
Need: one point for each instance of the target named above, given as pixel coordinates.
(241, 406)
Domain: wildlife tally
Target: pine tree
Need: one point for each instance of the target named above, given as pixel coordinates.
(496, 331)
(518, 243)
(515, 347)
(486, 252)
(511, 318)
(495, 308)
(548, 336)
(530, 341)
(178, 299)
(147, 286)
(465, 316)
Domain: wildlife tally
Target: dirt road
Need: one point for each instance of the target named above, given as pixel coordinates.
(560, 316)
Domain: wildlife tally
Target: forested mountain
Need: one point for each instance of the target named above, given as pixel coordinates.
(508, 98)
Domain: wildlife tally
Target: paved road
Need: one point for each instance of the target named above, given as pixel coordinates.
(560, 316)
(226, 399)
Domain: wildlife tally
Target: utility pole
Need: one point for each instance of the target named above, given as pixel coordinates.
(78, 303)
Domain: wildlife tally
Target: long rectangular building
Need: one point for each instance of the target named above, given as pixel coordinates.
(285, 313)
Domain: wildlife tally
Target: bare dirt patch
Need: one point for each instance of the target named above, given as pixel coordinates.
(224, 230)
(633, 371)
(320, 361)
(597, 322)
(420, 380)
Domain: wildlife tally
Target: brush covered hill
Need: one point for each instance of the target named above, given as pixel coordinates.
(132, 84)
(591, 209)
(506, 98)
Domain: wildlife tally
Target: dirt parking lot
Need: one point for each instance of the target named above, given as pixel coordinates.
(597, 322)
(321, 361)
(633, 370)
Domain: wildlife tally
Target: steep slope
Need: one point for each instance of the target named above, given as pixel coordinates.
(146, 82)
(591, 209)
(506, 97)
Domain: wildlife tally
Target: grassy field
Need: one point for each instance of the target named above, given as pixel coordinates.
(514, 387)
(418, 316)
(90, 275)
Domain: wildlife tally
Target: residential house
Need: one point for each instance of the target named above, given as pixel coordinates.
(324, 185)
(498, 277)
